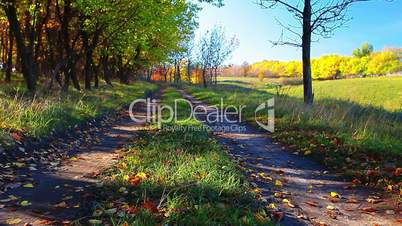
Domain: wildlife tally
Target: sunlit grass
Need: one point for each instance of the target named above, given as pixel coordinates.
(188, 176)
(53, 111)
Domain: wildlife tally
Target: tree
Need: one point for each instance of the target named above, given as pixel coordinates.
(320, 18)
(245, 69)
(24, 51)
(214, 49)
(365, 50)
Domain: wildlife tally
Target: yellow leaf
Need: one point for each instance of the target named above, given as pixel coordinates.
(141, 175)
(278, 183)
(285, 200)
(126, 177)
(334, 194)
(13, 221)
(122, 189)
(272, 206)
(25, 203)
(12, 197)
(329, 207)
(277, 194)
(28, 185)
(307, 153)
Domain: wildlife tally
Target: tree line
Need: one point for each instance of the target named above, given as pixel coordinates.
(364, 62)
(78, 42)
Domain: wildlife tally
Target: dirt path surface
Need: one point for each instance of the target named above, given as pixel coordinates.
(298, 188)
(61, 192)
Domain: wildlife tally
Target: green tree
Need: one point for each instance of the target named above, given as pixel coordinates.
(365, 50)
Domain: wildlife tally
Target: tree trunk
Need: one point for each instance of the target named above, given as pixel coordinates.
(88, 61)
(204, 79)
(106, 71)
(189, 71)
(9, 66)
(24, 53)
(306, 46)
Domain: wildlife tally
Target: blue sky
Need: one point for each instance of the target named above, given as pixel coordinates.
(378, 22)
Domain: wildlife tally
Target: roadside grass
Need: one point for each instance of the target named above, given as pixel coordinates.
(177, 177)
(24, 115)
(362, 142)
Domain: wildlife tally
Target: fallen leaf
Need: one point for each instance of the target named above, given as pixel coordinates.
(28, 185)
(13, 221)
(135, 181)
(329, 207)
(272, 206)
(61, 205)
(95, 222)
(150, 206)
(25, 203)
(67, 198)
(334, 194)
(278, 183)
(398, 172)
(278, 195)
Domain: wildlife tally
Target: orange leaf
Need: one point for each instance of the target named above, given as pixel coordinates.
(135, 181)
(398, 172)
(132, 210)
(150, 206)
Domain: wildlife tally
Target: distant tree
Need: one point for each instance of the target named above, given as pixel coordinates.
(246, 68)
(214, 49)
(365, 50)
(320, 17)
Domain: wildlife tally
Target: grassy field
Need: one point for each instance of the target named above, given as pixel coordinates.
(46, 112)
(347, 136)
(178, 178)
(379, 92)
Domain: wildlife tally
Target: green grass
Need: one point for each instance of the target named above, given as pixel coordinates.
(187, 173)
(381, 92)
(344, 135)
(49, 111)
